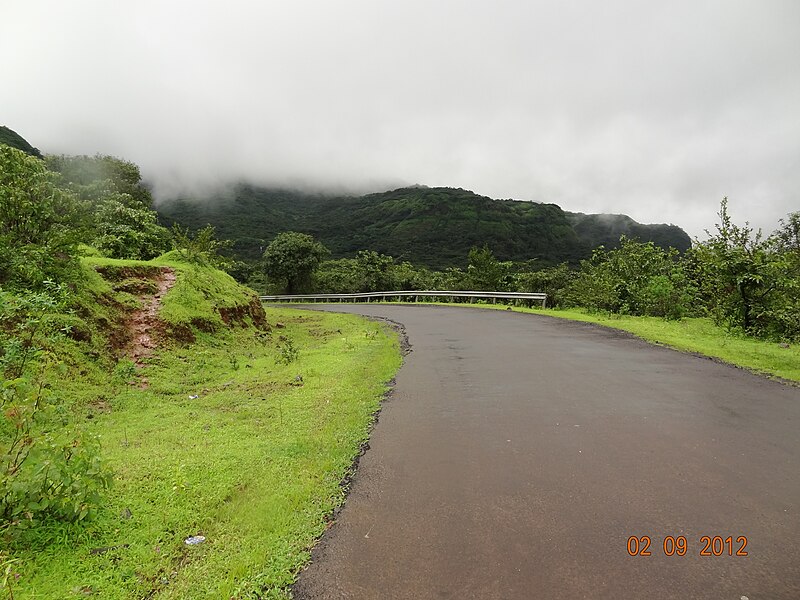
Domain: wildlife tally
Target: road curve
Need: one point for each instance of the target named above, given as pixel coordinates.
(518, 454)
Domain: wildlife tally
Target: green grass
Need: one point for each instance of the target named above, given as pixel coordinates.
(196, 296)
(254, 463)
(688, 335)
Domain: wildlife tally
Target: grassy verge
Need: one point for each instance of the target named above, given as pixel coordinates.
(200, 297)
(227, 442)
(689, 335)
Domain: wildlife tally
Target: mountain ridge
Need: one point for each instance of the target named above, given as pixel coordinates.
(11, 138)
(428, 226)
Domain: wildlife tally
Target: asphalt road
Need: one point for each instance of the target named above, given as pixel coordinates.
(519, 453)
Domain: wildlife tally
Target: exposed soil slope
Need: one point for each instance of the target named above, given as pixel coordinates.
(144, 321)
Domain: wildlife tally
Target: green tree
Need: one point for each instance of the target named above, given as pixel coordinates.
(339, 276)
(40, 224)
(740, 274)
(551, 281)
(485, 272)
(98, 175)
(291, 258)
(636, 278)
(375, 271)
(122, 223)
(784, 310)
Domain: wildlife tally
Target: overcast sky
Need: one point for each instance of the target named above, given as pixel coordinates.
(653, 109)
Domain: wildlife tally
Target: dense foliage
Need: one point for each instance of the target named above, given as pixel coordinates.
(120, 220)
(750, 282)
(291, 258)
(740, 279)
(40, 223)
(50, 467)
(431, 227)
(636, 278)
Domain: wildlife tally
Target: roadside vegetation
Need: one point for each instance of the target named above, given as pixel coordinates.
(162, 436)
(242, 437)
(741, 280)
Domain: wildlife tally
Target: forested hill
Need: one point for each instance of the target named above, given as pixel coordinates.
(15, 140)
(604, 230)
(434, 227)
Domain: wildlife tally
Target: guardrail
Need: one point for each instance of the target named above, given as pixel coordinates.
(415, 294)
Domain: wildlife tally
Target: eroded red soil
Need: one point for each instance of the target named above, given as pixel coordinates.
(144, 322)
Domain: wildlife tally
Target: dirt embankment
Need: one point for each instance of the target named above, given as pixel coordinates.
(143, 322)
(134, 336)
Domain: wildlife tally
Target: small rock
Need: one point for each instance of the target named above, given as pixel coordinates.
(126, 514)
(194, 540)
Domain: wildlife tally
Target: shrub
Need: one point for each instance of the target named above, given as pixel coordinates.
(40, 224)
(551, 281)
(202, 247)
(49, 467)
(636, 279)
(749, 282)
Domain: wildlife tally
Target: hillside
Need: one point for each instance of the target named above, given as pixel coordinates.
(15, 140)
(157, 434)
(605, 230)
(434, 227)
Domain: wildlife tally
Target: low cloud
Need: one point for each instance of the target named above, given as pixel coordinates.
(656, 111)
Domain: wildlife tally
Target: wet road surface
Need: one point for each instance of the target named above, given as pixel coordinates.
(519, 453)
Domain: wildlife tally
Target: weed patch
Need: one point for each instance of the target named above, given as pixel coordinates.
(241, 456)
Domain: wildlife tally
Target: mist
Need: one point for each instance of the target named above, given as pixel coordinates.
(655, 110)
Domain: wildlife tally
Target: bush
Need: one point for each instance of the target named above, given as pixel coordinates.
(128, 231)
(748, 282)
(635, 279)
(40, 224)
(49, 467)
(551, 281)
(201, 248)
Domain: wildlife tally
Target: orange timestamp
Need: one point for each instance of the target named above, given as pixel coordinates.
(708, 545)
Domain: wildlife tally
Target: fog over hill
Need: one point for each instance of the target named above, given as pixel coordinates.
(434, 227)
(654, 110)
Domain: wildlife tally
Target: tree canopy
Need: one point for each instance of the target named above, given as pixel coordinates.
(291, 258)
(40, 223)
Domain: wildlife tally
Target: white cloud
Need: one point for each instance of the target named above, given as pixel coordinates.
(656, 110)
